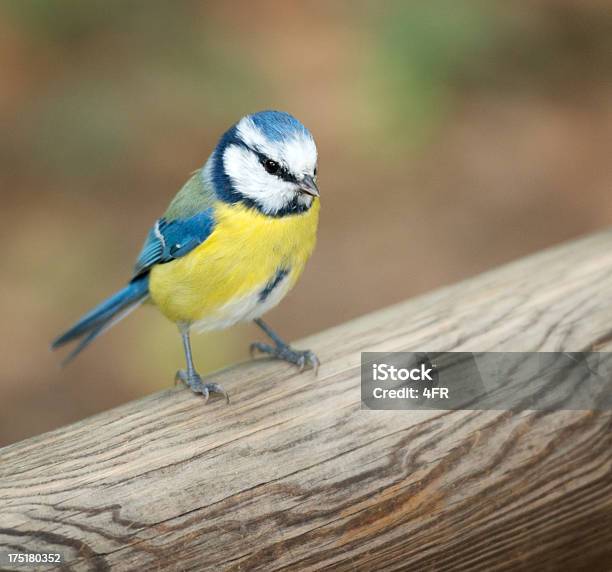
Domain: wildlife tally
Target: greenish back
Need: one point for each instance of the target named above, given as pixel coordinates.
(194, 197)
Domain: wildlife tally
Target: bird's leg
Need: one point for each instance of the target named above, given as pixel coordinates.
(284, 351)
(191, 377)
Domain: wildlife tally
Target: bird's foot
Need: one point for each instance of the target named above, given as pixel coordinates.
(195, 383)
(301, 358)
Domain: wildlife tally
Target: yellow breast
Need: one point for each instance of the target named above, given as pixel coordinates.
(220, 278)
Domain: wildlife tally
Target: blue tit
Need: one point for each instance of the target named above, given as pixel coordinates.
(232, 243)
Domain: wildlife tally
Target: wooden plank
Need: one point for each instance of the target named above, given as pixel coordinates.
(293, 475)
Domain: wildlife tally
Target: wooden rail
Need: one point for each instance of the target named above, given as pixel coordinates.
(293, 475)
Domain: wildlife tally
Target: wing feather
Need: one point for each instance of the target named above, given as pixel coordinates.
(168, 240)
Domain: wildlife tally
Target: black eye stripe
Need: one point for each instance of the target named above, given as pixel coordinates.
(282, 172)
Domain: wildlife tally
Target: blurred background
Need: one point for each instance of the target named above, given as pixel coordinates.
(453, 136)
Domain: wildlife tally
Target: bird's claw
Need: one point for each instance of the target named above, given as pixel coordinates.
(301, 358)
(195, 383)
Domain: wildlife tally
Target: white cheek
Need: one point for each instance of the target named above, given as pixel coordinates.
(251, 180)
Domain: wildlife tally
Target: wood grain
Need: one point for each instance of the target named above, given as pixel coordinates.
(293, 475)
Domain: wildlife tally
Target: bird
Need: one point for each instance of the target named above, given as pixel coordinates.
(229, 247)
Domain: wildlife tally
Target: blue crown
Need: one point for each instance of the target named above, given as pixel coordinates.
(278, 125)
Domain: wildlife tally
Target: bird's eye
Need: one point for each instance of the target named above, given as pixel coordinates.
(315, 172)
(271, 166)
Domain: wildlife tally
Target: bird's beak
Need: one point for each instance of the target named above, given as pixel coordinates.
(307, 185)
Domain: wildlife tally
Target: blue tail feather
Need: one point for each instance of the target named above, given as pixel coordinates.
(103, 316)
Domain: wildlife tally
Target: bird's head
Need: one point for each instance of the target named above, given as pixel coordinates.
(268, 161)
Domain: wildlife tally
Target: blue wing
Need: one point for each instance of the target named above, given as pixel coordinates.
(170, 239)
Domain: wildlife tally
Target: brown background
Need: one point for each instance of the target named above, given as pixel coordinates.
(453, 137)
